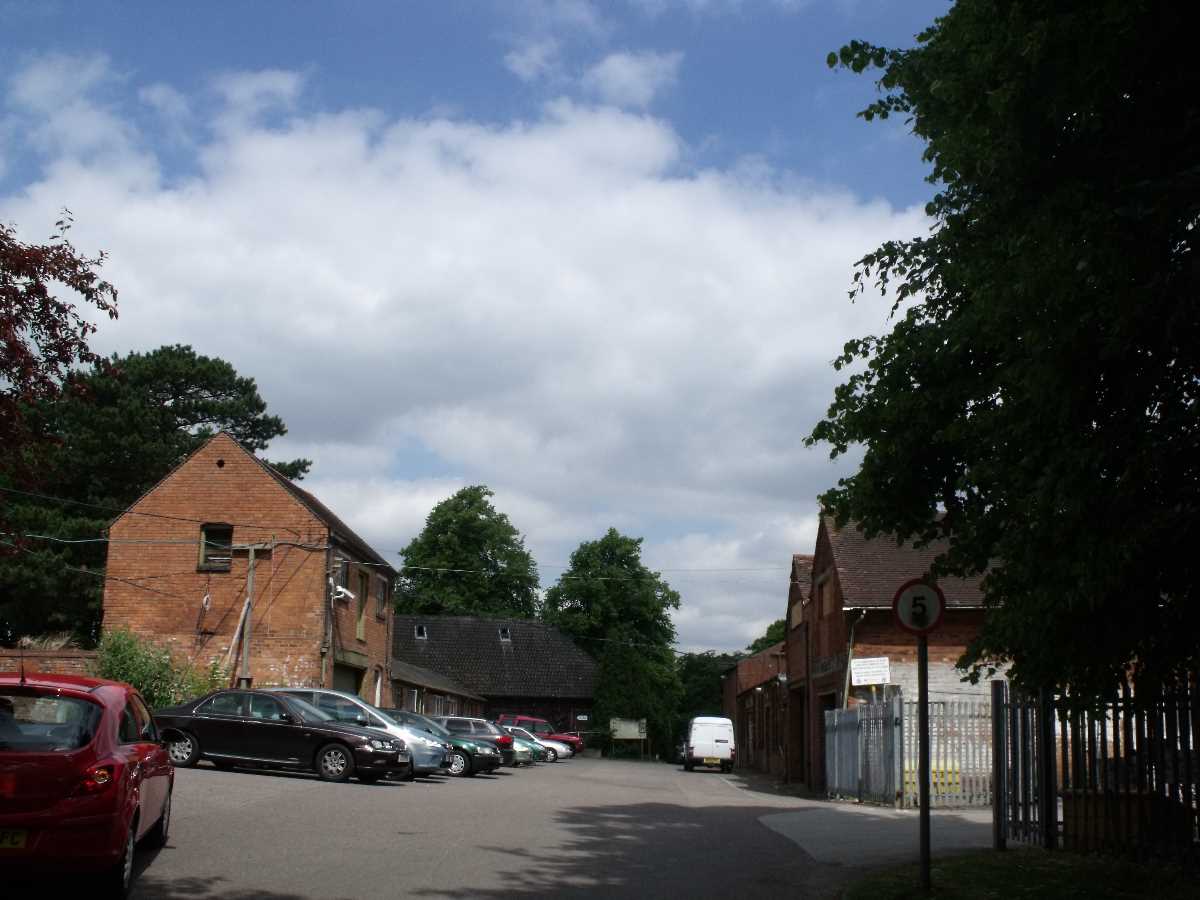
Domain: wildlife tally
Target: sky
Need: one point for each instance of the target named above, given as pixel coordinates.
(594, 255)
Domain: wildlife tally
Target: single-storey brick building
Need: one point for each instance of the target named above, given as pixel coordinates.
(754, 695)
(223, 527)
(519, 665)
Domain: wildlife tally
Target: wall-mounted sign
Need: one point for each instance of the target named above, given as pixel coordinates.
(870, 670)
(582, 717)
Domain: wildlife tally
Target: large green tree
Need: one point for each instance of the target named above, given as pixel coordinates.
(700, 682)
(469, 559)
(1037, 400)
(123, 425)
(619, 611)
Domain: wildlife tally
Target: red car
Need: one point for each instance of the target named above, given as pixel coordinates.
(542, 729)
(83, 778)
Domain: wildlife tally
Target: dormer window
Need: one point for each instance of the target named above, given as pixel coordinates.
(420, 633)
(505, 633)
(216, 547)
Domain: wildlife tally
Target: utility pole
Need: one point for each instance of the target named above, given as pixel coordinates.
(245, 678)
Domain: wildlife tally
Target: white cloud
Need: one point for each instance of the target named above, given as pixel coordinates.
(534, 60)
(164, 99)
(553, 307)
(633, 79)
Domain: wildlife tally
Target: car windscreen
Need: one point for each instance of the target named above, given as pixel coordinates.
(418, 721)
(40, 723)
(524, 735)
(308, 712)
(488, 728)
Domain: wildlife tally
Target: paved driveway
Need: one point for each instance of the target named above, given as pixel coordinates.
(581, 828)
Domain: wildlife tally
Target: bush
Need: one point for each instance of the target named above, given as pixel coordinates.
(162, 680)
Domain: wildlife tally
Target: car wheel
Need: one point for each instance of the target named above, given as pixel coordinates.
(335, 762)
(184, 750)
(116, 881)
(157, 836)
(551, 755)
(460, 764)
(368, 777)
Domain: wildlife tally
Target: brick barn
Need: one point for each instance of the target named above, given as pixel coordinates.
(840, 610)
(224, 525)
(518, 665)
(754, 695)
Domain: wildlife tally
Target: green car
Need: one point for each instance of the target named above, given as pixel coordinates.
(537, 753)
(467, 757)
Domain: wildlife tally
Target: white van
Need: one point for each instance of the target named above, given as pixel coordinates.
(709, 743)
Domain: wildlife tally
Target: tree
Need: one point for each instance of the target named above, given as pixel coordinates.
(619, 611)
(43, 336)
(468, 560)
(700, 681)
(775, 633)
(1036, 400)
(125, 424)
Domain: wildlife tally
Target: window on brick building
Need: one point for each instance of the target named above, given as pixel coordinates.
(364, 589)
(381, 597)
(216, 547)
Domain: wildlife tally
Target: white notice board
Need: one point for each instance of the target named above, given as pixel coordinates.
(870, 670)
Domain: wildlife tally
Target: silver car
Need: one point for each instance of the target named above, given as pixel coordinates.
(555, 750)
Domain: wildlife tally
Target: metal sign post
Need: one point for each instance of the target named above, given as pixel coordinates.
(918, 607)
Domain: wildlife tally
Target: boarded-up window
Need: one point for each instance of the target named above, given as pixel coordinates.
(216, 547)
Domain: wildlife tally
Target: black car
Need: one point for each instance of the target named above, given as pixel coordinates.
(239, 727)
(480, 730)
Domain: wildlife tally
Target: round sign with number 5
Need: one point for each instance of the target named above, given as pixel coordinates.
(918, 606)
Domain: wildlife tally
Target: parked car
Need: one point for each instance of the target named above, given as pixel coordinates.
(554, 750)
(467, 757)
(83, 778)
(429, 754)
(527, 752)
(709, 743)
(261, 728)
(540, 728)
(482, 730)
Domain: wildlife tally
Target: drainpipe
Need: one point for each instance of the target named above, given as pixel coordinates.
(862, 614)
(327, 637)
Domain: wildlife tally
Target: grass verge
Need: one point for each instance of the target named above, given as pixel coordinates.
(988, 875)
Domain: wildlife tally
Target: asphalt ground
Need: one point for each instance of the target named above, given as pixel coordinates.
(579, 828)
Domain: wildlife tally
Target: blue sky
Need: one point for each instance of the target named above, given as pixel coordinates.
(593, 255)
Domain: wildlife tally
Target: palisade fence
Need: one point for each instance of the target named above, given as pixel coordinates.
(871, 753)
(1119, 775)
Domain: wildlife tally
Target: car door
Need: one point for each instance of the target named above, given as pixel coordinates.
(154, 761)
(275, 733)
(220, 725)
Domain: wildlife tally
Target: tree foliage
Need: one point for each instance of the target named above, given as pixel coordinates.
(1041, 382)
(161, 679)
(700, 682)
(619, 611)
(469, 559)
(124, 425)
(775, 633)
(42, 336)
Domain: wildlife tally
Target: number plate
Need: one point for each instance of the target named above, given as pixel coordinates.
(12, 838)
(711, 761)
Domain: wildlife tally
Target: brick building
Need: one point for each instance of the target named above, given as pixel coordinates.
(755, 697)
(842, 612)
(224, 525)
(518, 665)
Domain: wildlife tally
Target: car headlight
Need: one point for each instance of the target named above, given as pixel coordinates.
(383, 745)
(486, 751)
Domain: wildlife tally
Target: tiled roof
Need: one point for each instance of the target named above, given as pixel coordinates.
(538, 660)
(870, 571)
(411, 674)
(802, 564)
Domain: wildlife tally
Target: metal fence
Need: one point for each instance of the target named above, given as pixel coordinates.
(1119, 775)
(871, 754)
(863, 752)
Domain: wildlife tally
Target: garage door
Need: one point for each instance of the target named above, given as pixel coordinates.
(346, 678)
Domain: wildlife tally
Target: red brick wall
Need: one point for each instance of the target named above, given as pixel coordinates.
(156, 545)
(58, 662)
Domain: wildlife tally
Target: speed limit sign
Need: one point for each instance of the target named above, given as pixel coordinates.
(918, 606)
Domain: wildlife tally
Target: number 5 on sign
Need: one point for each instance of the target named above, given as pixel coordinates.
(918, 606)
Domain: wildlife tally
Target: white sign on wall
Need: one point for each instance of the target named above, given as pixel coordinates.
(870, 670)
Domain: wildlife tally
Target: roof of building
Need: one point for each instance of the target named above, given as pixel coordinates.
(763, 666)
(871, 570)
(536, 660)
(410, 674)
(340, 532)
(801, 576)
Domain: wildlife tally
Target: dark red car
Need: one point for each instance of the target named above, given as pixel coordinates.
(542, 729)
(83, 778)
